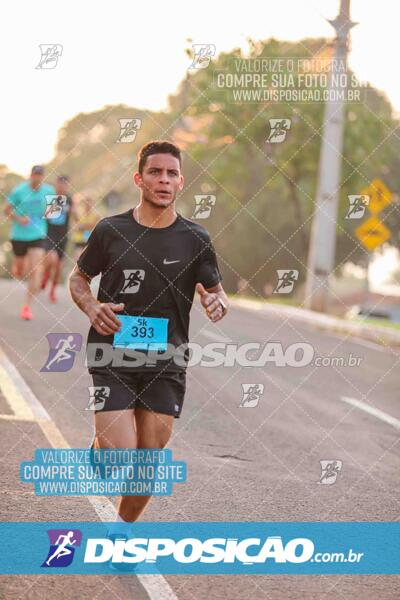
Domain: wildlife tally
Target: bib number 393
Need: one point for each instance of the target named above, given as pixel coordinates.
(142, 333)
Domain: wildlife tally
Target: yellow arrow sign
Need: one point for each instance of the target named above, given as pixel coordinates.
(379, 195)
(372, 233)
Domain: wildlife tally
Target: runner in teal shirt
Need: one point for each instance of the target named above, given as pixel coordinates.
(26, 208)
(30, 203)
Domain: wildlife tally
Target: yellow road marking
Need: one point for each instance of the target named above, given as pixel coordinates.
(15, 400)
(53, 434)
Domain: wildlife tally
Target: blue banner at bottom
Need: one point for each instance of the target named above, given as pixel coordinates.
(245, 548)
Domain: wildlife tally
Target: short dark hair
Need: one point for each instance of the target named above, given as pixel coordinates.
(157, 147)
(37, 170)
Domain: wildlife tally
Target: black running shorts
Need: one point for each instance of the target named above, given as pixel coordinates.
(21, 248)
(56, 245)
(161, 392)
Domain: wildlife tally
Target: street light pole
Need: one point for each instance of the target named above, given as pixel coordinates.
(321, 257)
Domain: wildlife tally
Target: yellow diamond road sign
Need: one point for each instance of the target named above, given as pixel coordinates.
(372, 233)
(379, 195)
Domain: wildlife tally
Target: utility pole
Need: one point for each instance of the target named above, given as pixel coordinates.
(321, 257)
(364, 303)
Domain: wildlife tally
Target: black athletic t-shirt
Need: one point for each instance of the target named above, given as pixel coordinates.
(153, 271)
(57, 229)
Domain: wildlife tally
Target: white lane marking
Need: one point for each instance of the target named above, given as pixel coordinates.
(156, 586)
(375, 412)
(214, 336)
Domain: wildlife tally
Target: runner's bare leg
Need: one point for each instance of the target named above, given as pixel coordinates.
(34, 267)
(18, 267)
(54, 266)
(144, 429)
(153, 431)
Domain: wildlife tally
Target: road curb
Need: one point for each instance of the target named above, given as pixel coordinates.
(381, 335)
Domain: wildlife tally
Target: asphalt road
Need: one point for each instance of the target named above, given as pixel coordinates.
(244, 464)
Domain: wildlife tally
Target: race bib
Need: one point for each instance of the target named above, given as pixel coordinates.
(60, 219)
(142, 333)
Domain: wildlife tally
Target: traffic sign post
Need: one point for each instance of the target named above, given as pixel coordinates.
(379, 196)
(372, 233)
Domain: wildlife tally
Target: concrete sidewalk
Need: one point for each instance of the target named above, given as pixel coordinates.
(380, 335)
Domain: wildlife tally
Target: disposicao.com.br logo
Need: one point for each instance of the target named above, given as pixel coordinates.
(197, 548)
(247, 551)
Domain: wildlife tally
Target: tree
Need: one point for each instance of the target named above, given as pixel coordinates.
(266, 192)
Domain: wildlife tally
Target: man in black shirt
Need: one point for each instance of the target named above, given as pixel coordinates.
(151, 261)
(58, 221)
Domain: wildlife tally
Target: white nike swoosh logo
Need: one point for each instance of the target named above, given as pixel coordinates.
(169, 262)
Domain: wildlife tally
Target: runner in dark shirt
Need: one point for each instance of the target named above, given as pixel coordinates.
(58, 222)
(151, 261)
(152, 271)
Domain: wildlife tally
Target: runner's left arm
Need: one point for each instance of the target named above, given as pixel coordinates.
(208, 278)
(214, 300)
(74, 210)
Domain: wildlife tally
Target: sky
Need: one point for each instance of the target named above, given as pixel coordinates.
(122, 51)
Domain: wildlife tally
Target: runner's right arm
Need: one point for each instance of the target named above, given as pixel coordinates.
(98, 312)
(90, 264)
(9, 211)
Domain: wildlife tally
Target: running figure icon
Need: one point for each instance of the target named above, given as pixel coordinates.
(62, 549)
(286, 280)
(62, 346)
(133, 279)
